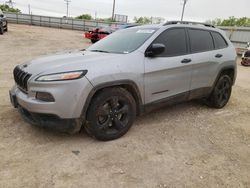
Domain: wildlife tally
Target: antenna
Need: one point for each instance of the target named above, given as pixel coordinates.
(67, 3)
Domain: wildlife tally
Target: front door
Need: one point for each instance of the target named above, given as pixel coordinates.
(168, 74)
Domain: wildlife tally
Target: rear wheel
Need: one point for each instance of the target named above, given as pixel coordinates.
(111, 114)
(6, 28)
(1, 30)
(221, 93)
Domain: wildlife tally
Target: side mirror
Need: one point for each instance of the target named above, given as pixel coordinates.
(155, 49)
(1, 15)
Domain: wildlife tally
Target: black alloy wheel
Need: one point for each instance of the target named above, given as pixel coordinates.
(221, 93)
(111, 114)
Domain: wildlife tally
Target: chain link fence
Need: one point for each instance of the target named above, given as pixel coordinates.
(56, 22)
(238, 35)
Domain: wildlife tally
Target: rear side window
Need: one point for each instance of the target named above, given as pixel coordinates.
(219, 41)
(200, 40)
(175, 42)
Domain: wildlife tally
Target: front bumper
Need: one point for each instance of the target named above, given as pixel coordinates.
(64, 114)
(47, 121)
(52, 122)
(70, 98)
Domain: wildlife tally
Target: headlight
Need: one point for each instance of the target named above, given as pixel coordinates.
(62, 76)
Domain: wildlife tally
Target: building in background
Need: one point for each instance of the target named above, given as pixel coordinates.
(121, 18)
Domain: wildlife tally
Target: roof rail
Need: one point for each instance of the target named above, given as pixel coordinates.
(189, 23)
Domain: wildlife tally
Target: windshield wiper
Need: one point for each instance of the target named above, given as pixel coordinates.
(102, 51)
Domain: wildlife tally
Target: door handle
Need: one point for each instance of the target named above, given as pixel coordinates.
(218, 55)
(186, 60)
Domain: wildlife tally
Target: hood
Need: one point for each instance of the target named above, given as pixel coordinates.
(64, 62)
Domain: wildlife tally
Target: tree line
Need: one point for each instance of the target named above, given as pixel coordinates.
(139, 20)
(7, 8)
(231, 21)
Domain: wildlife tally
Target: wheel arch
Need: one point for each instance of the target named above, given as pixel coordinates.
(129, 85)
(227, 70)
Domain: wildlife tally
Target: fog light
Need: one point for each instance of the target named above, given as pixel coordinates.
(44, 96)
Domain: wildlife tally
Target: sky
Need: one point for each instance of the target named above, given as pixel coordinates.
(196, 10)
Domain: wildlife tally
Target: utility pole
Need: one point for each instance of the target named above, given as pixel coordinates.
(29, 9)
(10, 3)
(67, 3)
(183, 9)
(95, 15)
(113, 12)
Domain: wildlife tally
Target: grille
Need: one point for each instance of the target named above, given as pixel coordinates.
(21, 78)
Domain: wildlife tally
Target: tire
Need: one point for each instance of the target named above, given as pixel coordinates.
(245, 63)
(1, 30)
(221, 93)
(111, 114)
(242, 63)
(6, 28)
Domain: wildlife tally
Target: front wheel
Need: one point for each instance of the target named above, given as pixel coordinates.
(111, 114)
(221, 93)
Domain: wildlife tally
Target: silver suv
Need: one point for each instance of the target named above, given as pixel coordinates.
(104, 87)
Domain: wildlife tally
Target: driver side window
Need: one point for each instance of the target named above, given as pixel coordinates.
(175, 42)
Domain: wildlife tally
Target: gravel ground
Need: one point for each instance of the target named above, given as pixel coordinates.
(186, 145)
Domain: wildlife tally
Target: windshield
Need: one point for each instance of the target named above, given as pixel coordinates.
(123, 41)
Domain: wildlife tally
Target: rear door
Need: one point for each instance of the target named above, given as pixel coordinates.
(204, 61)
(168, 74)
(208, 54)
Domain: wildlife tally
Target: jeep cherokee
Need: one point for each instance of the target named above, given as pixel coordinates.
(104, 87)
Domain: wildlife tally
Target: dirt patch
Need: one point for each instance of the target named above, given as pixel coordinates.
(187, 145)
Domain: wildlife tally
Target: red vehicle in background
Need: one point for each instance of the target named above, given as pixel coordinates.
(97, 34)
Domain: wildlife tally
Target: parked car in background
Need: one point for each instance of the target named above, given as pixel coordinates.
(246, 56)
(124, 75)
(97, 34)
(3, 23)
